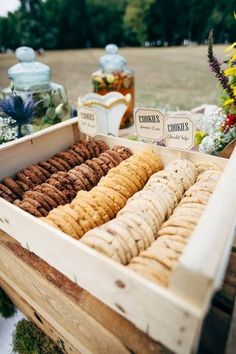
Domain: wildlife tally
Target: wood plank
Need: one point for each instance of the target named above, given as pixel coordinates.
(39, 320)
(58, 309)
(136, 340)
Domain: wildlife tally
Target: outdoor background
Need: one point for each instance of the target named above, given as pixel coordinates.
(164, 42)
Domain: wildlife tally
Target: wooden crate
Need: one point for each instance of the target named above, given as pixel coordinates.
(63, 297)
(170, 316)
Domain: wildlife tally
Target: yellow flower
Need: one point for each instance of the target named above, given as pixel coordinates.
(199, 135)
(228, 102)
(233, 58)
(230, 47)
(230, 71)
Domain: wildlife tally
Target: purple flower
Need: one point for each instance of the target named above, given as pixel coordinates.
(216, 68)
(18, 109)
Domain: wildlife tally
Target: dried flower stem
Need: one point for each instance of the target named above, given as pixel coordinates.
(216, 68)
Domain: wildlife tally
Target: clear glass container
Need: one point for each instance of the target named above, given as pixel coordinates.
(30, 77)
(113, 75)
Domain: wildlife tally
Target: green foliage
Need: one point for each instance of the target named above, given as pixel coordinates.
(28, 339)
(83, 23)
(7, 308)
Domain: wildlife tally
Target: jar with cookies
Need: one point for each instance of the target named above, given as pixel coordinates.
(114, 75)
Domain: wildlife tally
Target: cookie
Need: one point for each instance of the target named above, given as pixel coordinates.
(165, 256)
(152, 269)
(112, 240)
(66, 158)
(107, 203)
(58, 165)
(25, 179)
(107, 161)
(100, 245)
(48, 167)
(38, 173)
(96, 168)
(199, 200)
(62, 162)
(125, 176)
(102, 146)
(89, 147)
(136, 233)
(127, 236)
(39, 197)
(89, 174)
(81, 150)
(63, 224)
(116, 231)
(22, 185)
(111, 183)
(11, 195)
(115, 155)
(95, 147)
(171, 230)
(81, 175)
(95, 203)
(101, 163)
(142, 224)
(136, 168)
(13, 186)
(79, 159)
(27, 206)
(115, 196)
(93, 214)
(52, 192)
(144, 210)
(123, 151)
(43, 171)
(32, 176)
(203, 166)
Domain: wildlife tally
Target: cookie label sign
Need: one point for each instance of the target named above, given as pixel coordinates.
(87, 121)
(149, 123)
(179, 132)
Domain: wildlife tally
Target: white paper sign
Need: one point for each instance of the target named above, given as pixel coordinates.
(149, 123)
(179, 132)
(87, 121)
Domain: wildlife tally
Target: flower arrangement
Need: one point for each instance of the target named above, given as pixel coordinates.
(15, 117)
(218, 129)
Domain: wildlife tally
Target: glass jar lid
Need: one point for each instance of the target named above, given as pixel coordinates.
(112, 61)
(28, 72)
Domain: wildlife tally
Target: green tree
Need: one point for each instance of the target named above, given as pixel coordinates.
(105, 18)
(136, 20)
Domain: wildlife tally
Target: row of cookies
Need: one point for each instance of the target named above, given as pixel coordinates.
(157, 262)
(34, 175)
(61, 188)
(93, 208)
(136, 226)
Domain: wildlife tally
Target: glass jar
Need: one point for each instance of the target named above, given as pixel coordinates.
(30, 77)
(113, 75)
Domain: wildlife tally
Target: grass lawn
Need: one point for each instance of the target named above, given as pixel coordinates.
(175, 78)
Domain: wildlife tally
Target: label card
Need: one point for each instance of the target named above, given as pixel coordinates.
(87, 121)
(179, 131)
(149, 123)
